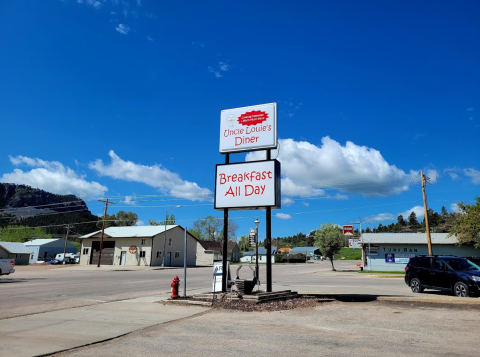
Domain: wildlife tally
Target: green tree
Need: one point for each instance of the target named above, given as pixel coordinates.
(211, 228)
(467, 224)
(22, 234)
(329, 239)
(412, 220)
(121, 219)
(170, 221)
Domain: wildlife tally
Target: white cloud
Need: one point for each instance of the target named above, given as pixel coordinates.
(454, 208)
(470, 109)
(140, 223)
(224, 66)
(128, 200)
(53, 177)
(286, 201)
(419, 211)
(154, 176)
(452, 172)
(381, 217)
(216, 73)
(283, 216)
(149, 38)
(198, 44)
(306, 204)
(473, 174)
(350, 169)
(123, 29)
(96, 4)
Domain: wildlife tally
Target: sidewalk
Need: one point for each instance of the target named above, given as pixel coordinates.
(56, 331)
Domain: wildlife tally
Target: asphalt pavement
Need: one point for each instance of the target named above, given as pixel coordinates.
(101, 304)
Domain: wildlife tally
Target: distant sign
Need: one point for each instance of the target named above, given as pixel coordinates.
(354, 243)
(132, 249)
(252, 241)
(389, 258)
(248, 185)
(248, 128)
(348, 230)
(218, 276)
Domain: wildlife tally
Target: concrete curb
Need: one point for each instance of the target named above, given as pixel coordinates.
(365, 297)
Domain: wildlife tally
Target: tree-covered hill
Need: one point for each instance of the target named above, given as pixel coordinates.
(27, 206)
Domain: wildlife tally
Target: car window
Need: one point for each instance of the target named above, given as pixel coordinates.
(461, 264)
(413, 261)
(424, 263)
(438, 264)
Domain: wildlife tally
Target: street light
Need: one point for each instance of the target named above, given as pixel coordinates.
(257, 222)
(165, 236)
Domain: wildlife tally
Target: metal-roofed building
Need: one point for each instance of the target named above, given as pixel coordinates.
(249, 257)
(305, 250)
(139, 245)
(392, 251)
(45, 249)
(16, 251)
(209, 251)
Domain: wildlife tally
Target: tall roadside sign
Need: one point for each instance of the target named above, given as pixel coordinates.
(348, 230)
(248, 185)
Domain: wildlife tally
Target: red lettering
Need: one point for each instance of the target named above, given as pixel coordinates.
(246, 190)
(222, 179)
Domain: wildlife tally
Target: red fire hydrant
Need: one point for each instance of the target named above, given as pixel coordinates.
(175, 283)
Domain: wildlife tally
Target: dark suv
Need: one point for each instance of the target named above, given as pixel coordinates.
(441, 272)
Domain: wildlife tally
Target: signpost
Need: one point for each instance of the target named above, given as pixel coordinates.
(252, 238)
(248, 185)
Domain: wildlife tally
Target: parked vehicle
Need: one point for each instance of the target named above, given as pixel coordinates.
(449, 273)
(475, 260)
(69, 258)
(7, 266)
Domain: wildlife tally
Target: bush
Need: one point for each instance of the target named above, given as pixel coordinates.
(290, 258)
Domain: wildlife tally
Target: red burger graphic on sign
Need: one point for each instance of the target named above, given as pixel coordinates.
(252, 118)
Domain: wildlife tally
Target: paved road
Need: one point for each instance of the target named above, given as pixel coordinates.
(31, 290)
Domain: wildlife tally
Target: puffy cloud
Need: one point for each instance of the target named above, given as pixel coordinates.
(454, 208)
(473, 174)
(419, 211)
(283, 216)
(286, 201)
(53, 177)
(154, 176)
(123, 29)
(350, 169)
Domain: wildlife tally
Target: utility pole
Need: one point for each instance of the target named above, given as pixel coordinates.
(103, 229)
(425, 181)
(66, 238)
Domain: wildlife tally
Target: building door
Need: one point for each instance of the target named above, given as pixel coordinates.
(123, 257)
(107, 252)
(169, 258)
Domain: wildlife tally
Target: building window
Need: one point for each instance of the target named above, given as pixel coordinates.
(31, 257)
(177, 255)
(85, 251)
(142, 254)
(143, 241)
(169, 241)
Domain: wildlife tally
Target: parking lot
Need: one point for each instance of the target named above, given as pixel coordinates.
(84, 304)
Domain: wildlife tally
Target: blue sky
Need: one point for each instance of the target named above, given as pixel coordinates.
(122, 99)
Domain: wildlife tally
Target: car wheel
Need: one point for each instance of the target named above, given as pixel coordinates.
(461, 290)
(416, 286)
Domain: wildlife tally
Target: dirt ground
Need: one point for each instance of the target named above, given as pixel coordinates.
(328, 329)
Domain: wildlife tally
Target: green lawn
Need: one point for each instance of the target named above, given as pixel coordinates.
(349, 254)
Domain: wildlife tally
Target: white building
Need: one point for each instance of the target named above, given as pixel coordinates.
(139, 245)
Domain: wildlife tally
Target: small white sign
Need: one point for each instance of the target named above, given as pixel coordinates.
(248, 185)
(218, 276)
(354, 243)
(248, 128)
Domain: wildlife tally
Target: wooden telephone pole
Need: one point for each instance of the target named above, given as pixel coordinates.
(425, 181)
(103, 229)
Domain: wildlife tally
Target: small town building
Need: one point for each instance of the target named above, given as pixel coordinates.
(209, 252)
(392, 251)
(139, 245)
(284, 250)
(45, 249)
(308, 251)
(250, 257)
(18, 251)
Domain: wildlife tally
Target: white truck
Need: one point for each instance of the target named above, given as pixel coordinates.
(69, 258)
(7, 266)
